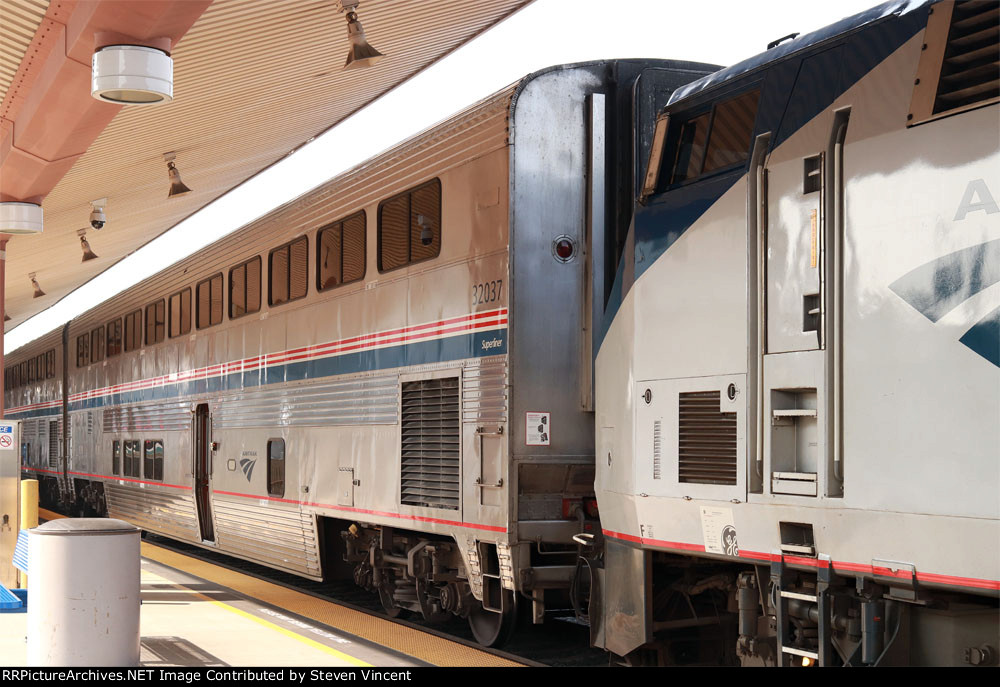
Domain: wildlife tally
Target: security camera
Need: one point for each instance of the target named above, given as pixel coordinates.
(97, 217)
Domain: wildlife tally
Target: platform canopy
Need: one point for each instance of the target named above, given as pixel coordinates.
(253, 81)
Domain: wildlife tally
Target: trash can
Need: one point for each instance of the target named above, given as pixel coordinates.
(83, 601)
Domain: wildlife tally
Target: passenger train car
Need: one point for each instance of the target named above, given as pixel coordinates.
(798, 370)
(389, 377)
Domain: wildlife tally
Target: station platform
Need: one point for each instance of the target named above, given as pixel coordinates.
(197, 614)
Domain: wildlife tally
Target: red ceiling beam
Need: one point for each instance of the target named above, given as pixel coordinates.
(48, 118)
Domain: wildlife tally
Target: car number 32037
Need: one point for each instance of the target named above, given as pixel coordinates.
(487, 292)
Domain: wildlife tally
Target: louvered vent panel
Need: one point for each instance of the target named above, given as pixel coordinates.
(706, 451)
(54, 443)
(657, 448)
(430, 444)
(971, 69)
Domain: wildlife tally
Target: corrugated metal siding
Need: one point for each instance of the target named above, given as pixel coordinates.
(360, 401)
(273, 535)
(170, 512)
(254, 80)
(163, 416)
(484, 391)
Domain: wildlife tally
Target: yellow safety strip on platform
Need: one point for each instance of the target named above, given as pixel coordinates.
(48, 515)
(409, 641)
(266, 623)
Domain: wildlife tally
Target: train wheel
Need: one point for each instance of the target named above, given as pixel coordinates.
(494, 629)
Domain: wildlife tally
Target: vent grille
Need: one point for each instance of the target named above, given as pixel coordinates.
(54, 444)
(971, 69)
(706, 451)
(429, 464)
(657, 448)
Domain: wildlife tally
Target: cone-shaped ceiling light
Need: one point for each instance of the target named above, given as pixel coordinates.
(361, 53)
(38, 289)
(88, 254)
(177, 187)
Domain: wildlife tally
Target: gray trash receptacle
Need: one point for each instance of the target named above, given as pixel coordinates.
(83, 595)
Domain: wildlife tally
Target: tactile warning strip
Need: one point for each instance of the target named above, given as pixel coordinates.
(426, 647)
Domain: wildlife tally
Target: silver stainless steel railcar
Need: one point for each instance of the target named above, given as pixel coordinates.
(798, 382)
(392, 371)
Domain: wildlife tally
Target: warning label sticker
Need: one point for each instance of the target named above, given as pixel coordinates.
(719, 531)
(538, 429)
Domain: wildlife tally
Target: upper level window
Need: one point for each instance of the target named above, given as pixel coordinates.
(114, 328)
(180, 313)
(244, 288)
(155, 322)
(409, 227)
(706, 142)
(83, 350)
(288, 267)
(133, 331)
(340, 252)
(209, 295)
(50, 364)
(97, 344)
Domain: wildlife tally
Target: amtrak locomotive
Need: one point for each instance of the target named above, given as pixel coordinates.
(798, 375)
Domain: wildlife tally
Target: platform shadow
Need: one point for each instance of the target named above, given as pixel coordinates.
(162, 652)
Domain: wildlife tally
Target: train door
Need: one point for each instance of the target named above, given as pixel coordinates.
(203, 471)
(800, 281)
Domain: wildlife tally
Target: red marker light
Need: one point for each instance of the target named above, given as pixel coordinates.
(563, 248)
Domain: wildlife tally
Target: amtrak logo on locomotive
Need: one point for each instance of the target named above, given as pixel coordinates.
(246, 465)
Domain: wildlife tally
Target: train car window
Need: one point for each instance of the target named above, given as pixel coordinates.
(341, 252)
(288, 268)
(180, 313)
(209, 294)
(133, 331)
(114, 328)
(83, 350)
(409, 227)
(97, 344)
(24, 373)
(152, 467)
(155, 322)
(50, 364)
(244, 289)
(132, 458)
(705, 142)
(116, 457)
(40, 367)
(732, 127)
(276, 467)
(690, 148)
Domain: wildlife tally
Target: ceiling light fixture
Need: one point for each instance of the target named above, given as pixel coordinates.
(361, 53)
(20, 218)
(38, 289)
(88, 254)
(177, 187)
(132, 75)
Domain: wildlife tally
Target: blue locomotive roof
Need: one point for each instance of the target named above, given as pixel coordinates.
(846, 25)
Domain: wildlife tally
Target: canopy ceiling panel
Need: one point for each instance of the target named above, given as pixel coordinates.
(253, 81)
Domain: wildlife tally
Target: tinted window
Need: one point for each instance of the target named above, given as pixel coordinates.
(153, 460)
(244, 288)
(114, 328)
(341, 254)
(276, 467)
(180, 313)
(155, 322)
(97, 345)
(133, 331)
(210, 302)
(409, 227)
(288, 266)
(83, 350)
(116, 457)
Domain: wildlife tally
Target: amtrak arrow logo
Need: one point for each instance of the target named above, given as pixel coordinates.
(939, 286)
(246, 465)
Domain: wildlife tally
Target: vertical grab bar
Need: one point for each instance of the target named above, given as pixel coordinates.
(756, 219)
(835, 348)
